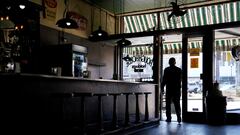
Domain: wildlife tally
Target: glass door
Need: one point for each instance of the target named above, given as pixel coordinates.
(192, 80)
(194, 70)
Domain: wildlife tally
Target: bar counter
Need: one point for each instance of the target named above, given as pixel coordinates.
(27, 98)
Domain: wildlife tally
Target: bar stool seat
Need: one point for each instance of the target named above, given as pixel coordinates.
(115, 118)
(146, 106)
(82, 112)
(137, 114)
(62, 95)
(100, 113)
(126, 123)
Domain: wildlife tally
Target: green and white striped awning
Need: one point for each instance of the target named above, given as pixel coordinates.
(176, 47)
(138, 50)
(215, 14)
(226, 44)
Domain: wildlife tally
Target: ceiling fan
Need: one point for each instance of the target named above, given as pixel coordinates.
(176, 11)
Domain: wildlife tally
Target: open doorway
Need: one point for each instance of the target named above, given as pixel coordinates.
(172, 47)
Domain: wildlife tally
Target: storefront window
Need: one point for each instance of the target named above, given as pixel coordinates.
(137, 63)
(227, 71)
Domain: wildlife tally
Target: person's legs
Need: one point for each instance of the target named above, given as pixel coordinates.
(168, 108)
(176, 101)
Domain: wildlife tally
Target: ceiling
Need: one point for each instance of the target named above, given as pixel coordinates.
(127, 6)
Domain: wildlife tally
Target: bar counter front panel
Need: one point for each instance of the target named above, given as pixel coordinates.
(27, 99)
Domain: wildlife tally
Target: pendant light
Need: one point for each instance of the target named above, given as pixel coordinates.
(6, 23)
(99, 34)
(123, 42)
(66, 21)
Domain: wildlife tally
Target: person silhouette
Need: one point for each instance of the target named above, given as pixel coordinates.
(172, 80)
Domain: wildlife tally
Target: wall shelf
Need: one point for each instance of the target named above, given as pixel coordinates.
(96, 63)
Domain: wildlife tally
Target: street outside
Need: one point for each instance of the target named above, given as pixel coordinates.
(195, 103)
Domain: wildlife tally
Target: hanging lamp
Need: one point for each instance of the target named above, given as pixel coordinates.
(99, 34)
(66, 21)
(123, 42)
(6, 23)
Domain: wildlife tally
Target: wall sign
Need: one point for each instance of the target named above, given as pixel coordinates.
(194, 51)
(139, 63)
(81, 20)
(194, 62)
(50, 9)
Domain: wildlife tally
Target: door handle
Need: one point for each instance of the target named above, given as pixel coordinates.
(201, 76)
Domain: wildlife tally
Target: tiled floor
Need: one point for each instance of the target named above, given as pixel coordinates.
(174, 128)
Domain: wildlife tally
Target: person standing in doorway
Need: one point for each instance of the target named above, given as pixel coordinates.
(172, 80)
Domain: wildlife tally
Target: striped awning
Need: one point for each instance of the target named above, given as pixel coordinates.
(226, 44)
(215, 14)
(138, 50)
(176, 47)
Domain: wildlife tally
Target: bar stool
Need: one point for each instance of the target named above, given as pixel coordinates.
(100, 113)
(115, 119)
(137, 116)
(82, 111)
(62, 97)
(146, 106)
(126, 123)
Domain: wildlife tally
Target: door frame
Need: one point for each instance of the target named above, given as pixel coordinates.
(206, 76)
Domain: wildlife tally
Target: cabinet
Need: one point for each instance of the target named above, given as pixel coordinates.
(216, 110)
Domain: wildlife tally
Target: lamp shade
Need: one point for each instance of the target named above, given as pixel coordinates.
(124, 42)
(6, 24)
(98, 35)
(67, 23)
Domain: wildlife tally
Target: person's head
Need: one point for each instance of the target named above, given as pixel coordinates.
(172, 61)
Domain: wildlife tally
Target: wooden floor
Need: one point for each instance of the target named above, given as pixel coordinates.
(174, 128)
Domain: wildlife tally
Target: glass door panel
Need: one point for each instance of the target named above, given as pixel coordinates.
(194, 70)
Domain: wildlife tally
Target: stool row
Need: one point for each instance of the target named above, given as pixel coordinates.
(82, 96)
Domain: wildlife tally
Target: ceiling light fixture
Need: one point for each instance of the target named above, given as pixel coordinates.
(66, 21)
(99, 34)
(123, 42)
(6, 23)
(22, 6)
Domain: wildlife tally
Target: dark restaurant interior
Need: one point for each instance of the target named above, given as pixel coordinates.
(95, 67)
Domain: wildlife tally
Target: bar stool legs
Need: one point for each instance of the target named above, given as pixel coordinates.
(100, 113)
(61, 119)
(126, 123)
(115, 119)
(82, 112)
(146, 106)
(137, 118)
